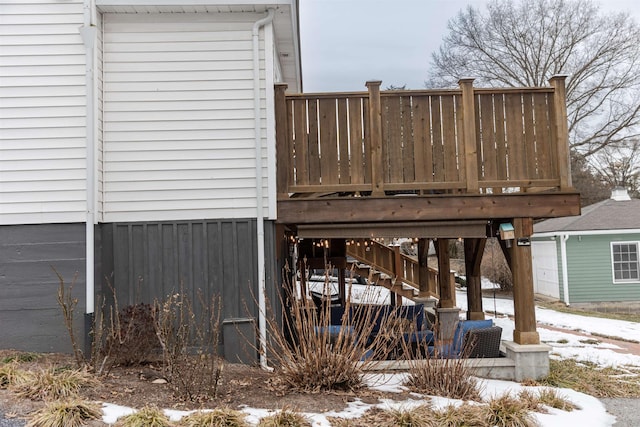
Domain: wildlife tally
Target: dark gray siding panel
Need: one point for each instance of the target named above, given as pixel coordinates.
(29, 314)
(148, 261)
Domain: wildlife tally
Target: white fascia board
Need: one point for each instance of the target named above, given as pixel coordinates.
(193, 2)
(586, 232)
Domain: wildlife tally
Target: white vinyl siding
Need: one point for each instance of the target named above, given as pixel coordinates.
(178, 116)
(42, 112)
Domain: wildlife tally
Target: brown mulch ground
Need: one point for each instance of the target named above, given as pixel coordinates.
(241, 385)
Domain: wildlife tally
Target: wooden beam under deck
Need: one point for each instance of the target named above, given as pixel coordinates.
(350, 210)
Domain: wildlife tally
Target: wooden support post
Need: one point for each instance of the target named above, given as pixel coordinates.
(473, 251)
(375, 134)
(397, 273)
(423, 266)
(447, 296)
(561, 130)
(522, 270)
(469, 135)
(283, 153)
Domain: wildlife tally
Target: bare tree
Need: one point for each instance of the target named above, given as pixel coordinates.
(620, 166)
(588, 183)
(525, 42)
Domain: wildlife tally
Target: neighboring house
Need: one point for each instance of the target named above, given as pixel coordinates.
(137, 137)
(592, 258)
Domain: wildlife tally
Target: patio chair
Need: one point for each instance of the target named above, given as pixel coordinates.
(483, 342)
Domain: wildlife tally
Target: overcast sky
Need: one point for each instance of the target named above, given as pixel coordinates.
(347, 42)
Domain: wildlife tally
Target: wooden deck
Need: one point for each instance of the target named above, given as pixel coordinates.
(395, 158)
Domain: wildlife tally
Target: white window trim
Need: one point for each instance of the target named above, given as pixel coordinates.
(613, 273)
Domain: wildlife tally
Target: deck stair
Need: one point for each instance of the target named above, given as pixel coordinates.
(392, 269)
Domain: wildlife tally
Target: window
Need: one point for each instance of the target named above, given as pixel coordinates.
(626, 264)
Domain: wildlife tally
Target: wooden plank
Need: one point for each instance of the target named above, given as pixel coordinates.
(391, 126)
(314, 150)
(449, 139)
(561, 130)
(368, 152)
(421, 139)
(407, 140)
(356, 141)
(436, 135)
(282, 139)
(343, 142)
(500, 137)
(328, 141)
(515, 140)
(489, 154)
(427, 208)
(531, 165)
(301, 141)
(375, 133)
(546, 165)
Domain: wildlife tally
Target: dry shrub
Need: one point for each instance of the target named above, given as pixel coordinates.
(592, 380)
(67, 304)
(418, 416)
(149, 416)
(131, 337)
(461, 416)
(508, 411)
(10, 374)
(436, 375)
(220, 417)
(308, 357)
(52, 384)
(373, 417)
(67, 413)
(494, 266)
(189, 340)
(285, 418)
(554, 399)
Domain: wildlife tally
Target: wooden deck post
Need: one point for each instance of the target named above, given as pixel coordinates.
(473, 251)
(469, 135)
(561, 130)
(423, 266)
(375, 135)
(283, 153)
(447, 295)
(522, 270)
(398, 273)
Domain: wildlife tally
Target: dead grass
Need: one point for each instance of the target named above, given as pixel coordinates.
(436, 376)
(590, 379)
(418, 416)
(149, 416)
(51, 383)
(462, 415)
(220, 417)
(508, 411)
(310, 357)
(67, 413)
(285, 418)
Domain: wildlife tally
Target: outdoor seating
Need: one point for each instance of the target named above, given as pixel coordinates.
(466, 337)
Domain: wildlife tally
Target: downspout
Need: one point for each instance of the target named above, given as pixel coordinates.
(262, 305)
(89, 33)
(563, 260)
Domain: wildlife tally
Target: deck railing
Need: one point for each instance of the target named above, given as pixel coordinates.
(464, 140)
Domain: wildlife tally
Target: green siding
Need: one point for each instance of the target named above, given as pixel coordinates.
(589, 269)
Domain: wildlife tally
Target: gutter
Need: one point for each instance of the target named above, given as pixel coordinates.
(89, 33)
(262, 306)
(565, 273)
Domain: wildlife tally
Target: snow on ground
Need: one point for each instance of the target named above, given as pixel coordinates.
(565, 345)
